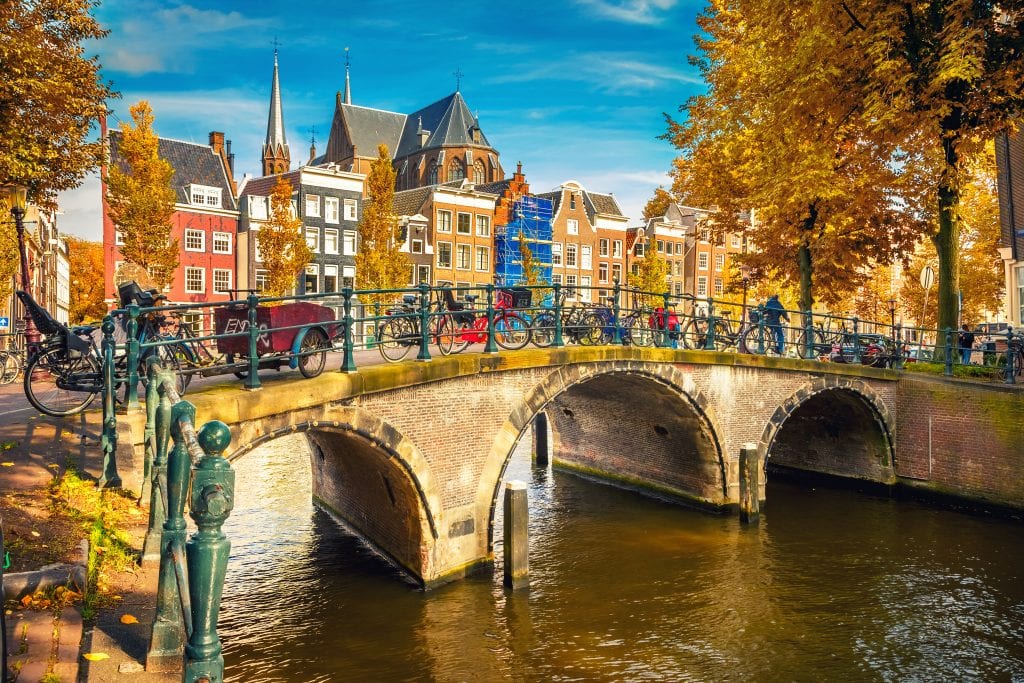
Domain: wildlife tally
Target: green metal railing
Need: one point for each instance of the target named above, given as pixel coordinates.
(192, 571)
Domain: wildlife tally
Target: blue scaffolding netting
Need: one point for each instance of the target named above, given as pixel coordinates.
(531, 223)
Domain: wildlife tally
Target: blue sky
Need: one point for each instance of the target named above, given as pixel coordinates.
(575, 89)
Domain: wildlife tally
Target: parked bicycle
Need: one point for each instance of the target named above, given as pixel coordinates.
(12, 363)
(574, 327)
(634, 327)
(402, 329)
(725, 334)
(466, 325)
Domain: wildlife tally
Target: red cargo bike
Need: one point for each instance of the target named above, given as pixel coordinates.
(309, 333)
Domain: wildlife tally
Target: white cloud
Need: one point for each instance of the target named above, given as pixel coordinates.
(607, 73)
(81, 212)
(631, 11)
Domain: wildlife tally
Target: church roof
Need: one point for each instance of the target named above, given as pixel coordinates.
(368, 128)
(449, 122)
(193, 164)
(275, 142)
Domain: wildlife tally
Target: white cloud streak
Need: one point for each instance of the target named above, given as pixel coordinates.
(647, 12)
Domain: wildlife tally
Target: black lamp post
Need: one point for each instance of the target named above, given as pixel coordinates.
(16, 196)
(892, 317)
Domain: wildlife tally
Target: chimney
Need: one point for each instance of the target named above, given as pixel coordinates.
(224, 152)
(423, 135)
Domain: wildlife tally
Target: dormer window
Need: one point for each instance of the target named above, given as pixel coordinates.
(204, 195)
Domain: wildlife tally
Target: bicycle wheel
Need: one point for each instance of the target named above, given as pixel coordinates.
(694, 333)
(450, 337)
(511, 331)
(313, 353)
(50, 372)
(752, 341)
(9, 367)
(543, 334)
(394, 339)
(638, 328)
(723, 338)
(818, 345)
(591, 329)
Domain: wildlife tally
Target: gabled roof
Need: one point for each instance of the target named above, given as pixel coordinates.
(408, 202)
(604, 203)
(449, 122)
(368, 127)
(264, 186)
(193, 164)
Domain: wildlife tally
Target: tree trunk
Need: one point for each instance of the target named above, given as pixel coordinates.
(803, 256)
(947, 244)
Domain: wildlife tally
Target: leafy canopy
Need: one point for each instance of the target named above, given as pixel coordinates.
(281, 244)
(379, 263)
(140, 198)
(86, 290)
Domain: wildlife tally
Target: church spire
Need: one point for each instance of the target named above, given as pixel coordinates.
(348, 88)
(276, 157)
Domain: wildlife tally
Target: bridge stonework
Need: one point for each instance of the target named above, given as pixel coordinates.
(411, 456)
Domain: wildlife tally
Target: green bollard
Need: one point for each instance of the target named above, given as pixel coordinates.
(559, 342)
(424, 354)
(252, 380)
(213, 496)
(948, 369)
(617, 339)
(167, 641)
(348, 363)
(491, 346)
(709, 336)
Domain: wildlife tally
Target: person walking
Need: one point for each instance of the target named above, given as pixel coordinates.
(774, 314)
(965, 340)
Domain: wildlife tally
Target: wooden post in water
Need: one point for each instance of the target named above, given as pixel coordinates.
(750, 484)
(517, 518)
(541, 450)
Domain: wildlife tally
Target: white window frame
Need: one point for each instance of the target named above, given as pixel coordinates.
(586, 257)
(617, 272)
(227, 272)
(314, 270)
(331, 270)
(719, 262)
(734, 240)
(332, 210)
(351, 210)
(719, 286)
(204, 195)
(192, 270)
(416, 247)
(617, 249)
(259, 207)
(483, 226)
(702, 286)
(348, 240)
(191, 233)
(328, 233)
(444, 221)
(259, 279)
(602, 273)
(451, 255)
(469, 223)
(486, 253)
(313, 202)
(702, 262)
(118, 237)
(572, 226)
(314, 232)
(222, 243)
(585, 290)
(556, 254)
(461, 249)
(603, 247)
(572, 255)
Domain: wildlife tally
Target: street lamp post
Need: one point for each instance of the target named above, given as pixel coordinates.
(892, 317)
(745, 276)
(16, 198)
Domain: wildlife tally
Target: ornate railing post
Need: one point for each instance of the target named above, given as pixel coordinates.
(760, 330)
(158, 408)
(856, 339)
(948, 370)
(108, 437)
(490, 346)
(348, 361)
(132, 401)
(424, 353)
(213, 496)
(897, 361)
(616, 314)
(808, 335)
(170, 628)
(559, 342)
(709, 336)
(252, 380)
(1011, 357)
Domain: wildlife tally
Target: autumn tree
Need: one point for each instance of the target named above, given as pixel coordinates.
(140, 197)
(941, 78)
(780, 131)
(86, 289)
(658, 204)
(282, 246)
(650, 277)
(379, 263)
(51, 95)
(533, 274)
(10, 263)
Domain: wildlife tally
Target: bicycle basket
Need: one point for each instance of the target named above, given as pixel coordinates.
(515, 297)
(45, 323)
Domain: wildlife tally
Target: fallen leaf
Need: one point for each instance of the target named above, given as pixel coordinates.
(128, 619)
(7, 464)
(36, 534)
(96, 656)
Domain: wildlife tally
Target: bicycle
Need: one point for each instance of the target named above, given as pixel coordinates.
(12, 363)
(402, 330)
(464, 326)
(724, 335)
(573, 328)
(634, 328)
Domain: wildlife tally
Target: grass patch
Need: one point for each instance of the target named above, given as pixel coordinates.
(963, 371)
(102, 514)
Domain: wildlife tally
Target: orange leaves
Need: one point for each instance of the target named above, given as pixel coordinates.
(281, 244)
(59, 597)
(379, 263)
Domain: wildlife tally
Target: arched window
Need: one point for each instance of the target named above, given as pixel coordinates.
(432, 173)
(455, 170)
(478, 172)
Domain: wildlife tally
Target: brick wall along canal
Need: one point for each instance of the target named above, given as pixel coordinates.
(833, 585)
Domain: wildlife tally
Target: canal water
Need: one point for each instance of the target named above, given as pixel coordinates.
(833, 585)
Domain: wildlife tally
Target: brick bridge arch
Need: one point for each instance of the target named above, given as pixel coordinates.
(834, 425)
(664, 394)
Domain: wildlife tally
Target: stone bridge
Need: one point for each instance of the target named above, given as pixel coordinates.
(411, 456)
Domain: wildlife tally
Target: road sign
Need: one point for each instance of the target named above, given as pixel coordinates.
(5, 323)
(927, 277)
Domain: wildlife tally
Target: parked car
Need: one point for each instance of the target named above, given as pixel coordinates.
(913, 355)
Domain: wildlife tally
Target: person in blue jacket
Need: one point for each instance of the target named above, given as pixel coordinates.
(774, 314)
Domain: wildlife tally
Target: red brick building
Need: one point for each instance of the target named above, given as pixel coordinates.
(205, 220)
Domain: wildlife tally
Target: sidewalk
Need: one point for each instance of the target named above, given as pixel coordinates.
(47, 645)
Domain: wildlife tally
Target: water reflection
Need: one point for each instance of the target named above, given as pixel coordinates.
(833, 585)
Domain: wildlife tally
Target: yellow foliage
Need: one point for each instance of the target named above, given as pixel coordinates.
(379, 263)
(281, 243)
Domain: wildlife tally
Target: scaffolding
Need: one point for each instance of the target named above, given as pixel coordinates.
(531, 223)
